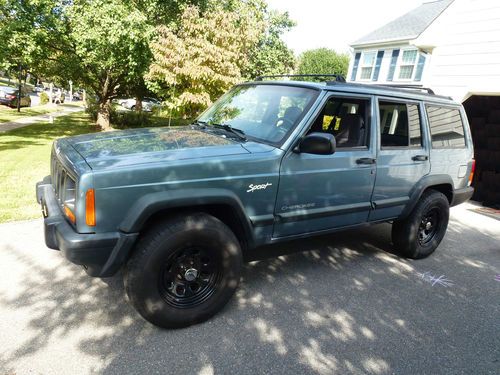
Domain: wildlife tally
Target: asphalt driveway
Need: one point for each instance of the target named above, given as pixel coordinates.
(336, 304)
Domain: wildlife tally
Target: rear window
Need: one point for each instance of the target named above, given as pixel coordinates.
(447, 128)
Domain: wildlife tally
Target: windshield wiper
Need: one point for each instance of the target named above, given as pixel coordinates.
(237, 132)
(203, 124)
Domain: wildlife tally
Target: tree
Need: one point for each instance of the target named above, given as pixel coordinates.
(197, 61)
(100, 44)
(109, 49)
(203, 55)
(271, 55)
(323, 61)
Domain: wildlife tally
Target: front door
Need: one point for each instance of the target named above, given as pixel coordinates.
(403, 156)
(321, 192)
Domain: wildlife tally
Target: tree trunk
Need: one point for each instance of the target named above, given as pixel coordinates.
(138, 104)
(104, 114)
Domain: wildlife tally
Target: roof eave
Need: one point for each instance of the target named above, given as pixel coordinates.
(386, 42)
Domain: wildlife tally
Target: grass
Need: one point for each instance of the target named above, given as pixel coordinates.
(4, 81)
(25, 160)
(10, 114)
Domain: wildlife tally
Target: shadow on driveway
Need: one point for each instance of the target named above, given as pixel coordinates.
(334, 304)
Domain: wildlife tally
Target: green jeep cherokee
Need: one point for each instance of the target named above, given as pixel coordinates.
(269, 161)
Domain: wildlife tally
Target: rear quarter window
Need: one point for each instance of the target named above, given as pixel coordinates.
(446, 127)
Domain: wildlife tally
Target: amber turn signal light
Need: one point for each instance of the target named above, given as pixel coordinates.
(90, 208)
(472, 170)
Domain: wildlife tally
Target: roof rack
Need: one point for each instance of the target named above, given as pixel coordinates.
(338, 77)
(411, 87)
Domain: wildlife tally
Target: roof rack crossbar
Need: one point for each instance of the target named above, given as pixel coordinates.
(411, 87)
(338, 77)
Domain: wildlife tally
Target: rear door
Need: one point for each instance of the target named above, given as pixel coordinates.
(403, 155)
(321, 192)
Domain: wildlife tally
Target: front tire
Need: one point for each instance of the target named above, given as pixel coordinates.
(421, 232)
(183, 271)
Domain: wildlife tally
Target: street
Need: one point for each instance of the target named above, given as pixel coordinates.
(341, 303)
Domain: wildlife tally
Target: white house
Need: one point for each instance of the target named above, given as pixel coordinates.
(452, 47)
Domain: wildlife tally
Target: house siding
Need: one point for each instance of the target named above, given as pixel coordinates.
(466, 59)
(462, 49)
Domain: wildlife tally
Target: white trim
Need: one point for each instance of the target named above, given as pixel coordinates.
(399, 64)
(384, 42)
(361, 65)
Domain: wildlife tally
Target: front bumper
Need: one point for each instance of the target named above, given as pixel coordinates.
(100, 254)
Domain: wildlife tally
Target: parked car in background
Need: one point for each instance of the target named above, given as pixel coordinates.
(78, 95)
(38, 88)
(58, 95)
(8, 97)
(147, 104)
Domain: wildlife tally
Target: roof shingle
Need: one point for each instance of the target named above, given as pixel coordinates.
(408, 26)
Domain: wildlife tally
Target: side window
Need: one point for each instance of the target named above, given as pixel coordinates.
(447, 128)
(399, 125)
(346, 119)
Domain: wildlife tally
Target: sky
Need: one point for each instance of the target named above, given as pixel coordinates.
(335, 24)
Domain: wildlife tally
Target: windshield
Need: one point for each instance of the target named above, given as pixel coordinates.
(263, 112)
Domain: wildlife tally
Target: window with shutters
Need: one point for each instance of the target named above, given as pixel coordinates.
(367, 64)
(407, 64)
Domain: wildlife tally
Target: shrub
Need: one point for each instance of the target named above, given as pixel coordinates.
(91, 107)
(130, 119)
(323, 61)
(44, 98)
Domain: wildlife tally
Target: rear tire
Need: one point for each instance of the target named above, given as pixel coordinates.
(183, 271)
(421, 232)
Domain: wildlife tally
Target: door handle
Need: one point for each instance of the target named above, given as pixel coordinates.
(420, 158)
(365, 161)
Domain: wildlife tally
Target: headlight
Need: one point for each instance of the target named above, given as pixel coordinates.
(68, 197)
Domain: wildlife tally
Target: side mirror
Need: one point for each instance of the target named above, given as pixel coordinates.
(317, 143)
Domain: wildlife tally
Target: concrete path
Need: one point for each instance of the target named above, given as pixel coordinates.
(29, 120)
(339, 304)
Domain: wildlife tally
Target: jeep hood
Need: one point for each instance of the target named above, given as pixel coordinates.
(141, 146)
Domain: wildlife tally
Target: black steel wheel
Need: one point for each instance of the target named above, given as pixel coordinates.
(183, 270)
(189, 277)
(419, 234)
(429, 226)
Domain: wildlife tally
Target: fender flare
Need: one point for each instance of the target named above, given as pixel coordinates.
(149, 204)
(423, 184)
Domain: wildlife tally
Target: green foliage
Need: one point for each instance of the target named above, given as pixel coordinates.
(130, 119)
(271, 55)
(92, 107)
(206, 53)
(200, 59)
(323, 61)
(44, 98)
(107, 46)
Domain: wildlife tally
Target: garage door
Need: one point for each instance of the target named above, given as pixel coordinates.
(483, 113)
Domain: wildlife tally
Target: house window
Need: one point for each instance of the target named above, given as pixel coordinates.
(407, 64)
(367, 64)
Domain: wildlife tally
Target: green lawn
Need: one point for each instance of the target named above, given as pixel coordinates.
(25, 159)
(10, 114)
